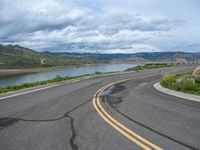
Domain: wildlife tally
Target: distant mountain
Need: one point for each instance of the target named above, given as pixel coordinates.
(93, 55)
(169, 56)
(14, 57)
(148, 56)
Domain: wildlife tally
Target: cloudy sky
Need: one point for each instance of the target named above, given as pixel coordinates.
(101, 26)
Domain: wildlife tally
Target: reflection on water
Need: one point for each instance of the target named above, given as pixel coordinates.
(33, 77)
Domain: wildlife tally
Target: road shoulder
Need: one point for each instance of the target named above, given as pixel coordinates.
(51, 85)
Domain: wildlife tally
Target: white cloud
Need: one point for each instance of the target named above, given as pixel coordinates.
(100, 26)
(30, 16)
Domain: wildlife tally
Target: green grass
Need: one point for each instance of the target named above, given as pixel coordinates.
(54, 80)
(98, 72)
(28, 85)
(106, 72)
(182, 82)
(150, 66)
(59, 79)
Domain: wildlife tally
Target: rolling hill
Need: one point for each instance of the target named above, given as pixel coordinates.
(17, 57)
(146, 56)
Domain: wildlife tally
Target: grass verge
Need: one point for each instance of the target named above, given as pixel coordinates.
(184, 82)
(28, 85)
(54, 80)
(150, 66)
(59, 78)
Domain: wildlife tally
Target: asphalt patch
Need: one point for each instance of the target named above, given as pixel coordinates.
(114, 101)
(6, 122)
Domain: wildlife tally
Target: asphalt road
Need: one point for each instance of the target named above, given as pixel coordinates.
(64, 118)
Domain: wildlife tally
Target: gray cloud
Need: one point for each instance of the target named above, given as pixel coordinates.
(30, 16)
(58, 25)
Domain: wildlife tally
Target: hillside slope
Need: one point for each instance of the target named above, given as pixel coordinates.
(151, 56)
(168, 56)
(16, 57)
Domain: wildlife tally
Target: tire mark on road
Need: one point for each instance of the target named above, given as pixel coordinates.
(151, 129)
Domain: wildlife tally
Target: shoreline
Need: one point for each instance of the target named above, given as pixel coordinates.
(4, 72)
(54, 81)
(58, 79)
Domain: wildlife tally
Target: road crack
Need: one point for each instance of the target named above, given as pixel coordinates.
(74, 134)
(144, 126)
(7, 122)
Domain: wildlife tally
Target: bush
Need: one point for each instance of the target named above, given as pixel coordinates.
(168, 81)
(186, 83)
(182, 82)
(46, 65)
(150, 66)
(58, 78)
(197, 80)
(98, 72)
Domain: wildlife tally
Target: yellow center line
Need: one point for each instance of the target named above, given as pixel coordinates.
(121, 131)
(117, 125)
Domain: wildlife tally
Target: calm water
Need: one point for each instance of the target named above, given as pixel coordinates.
(33, 77)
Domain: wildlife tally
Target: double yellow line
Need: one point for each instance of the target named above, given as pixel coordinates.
(134, 137)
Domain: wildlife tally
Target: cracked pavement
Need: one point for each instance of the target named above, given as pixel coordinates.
(63, 117)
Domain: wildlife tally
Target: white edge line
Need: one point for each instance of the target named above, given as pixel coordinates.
(50, 86)
(75, 80)
(35, 90)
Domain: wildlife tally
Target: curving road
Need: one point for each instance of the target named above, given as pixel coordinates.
(64, 116)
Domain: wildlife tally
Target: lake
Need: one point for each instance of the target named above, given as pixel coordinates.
(33, 77)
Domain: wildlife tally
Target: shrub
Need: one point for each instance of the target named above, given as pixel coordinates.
(57, 78)
(186, 83)
(168, 81)
(182, 82)
(98, 72)
(149, 66)
(197, 80)
(46, 65)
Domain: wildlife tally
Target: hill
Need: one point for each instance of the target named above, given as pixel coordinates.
(148, 56)
(17, 57)
(97, 56)
(168, 56)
